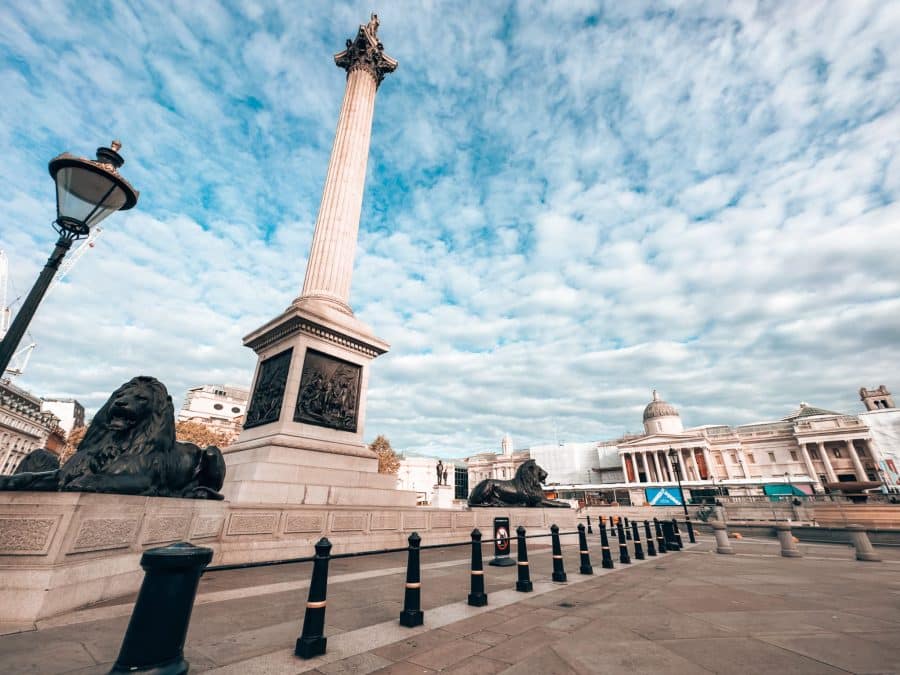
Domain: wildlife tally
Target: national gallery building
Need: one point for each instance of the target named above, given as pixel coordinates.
(811, 451)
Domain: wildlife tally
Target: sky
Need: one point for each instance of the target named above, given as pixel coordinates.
(567, 204)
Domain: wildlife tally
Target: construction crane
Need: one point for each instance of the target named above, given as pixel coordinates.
(20, 358)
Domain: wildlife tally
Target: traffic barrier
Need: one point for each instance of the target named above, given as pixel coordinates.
(636, 538)
(154, 639)
(651, 547)
(690, 530)
(677, 534)
(477, 596)
(627, 530)
(660, 540)
(523, 584)
(585, 553)
(412, 614)
(624, 556)
(605, 554)
(559, 572)
(312, 638)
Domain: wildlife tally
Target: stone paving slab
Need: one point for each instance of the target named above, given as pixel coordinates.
(691, 611)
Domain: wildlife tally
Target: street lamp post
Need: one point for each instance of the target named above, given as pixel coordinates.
(87, 191)
(673, 456)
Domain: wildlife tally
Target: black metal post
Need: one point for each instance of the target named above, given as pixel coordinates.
(690, 529)
(586, 567)
(660, 539)
(606, 555)
(559, 572)
(590, 530)
(627, 530)
(312, 638)
(676, 461)
(677, 534)
(624, 556)
(638, 548)
(477, 598)
(523, 585)
(412, 614)
(13, 336)
(651, 547)
(154, 639)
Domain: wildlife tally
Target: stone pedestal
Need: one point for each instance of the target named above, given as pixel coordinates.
(442, 497)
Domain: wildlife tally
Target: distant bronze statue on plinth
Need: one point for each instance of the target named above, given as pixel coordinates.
(440, 471)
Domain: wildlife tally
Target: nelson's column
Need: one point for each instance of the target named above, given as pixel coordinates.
(302, 441)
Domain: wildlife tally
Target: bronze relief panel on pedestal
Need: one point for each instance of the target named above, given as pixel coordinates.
(265, 406)
(329, 392)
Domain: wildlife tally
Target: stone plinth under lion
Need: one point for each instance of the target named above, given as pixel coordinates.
(523, 490)
(129, 449)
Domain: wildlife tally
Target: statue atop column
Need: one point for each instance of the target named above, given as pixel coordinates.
(367, 53)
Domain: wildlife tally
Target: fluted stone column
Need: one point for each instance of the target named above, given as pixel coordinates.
(807, 461)
(857, 464)
(659, 473)
(669, 467)
(330, 267)
(624, 467)
(829, 470)
(692, 452)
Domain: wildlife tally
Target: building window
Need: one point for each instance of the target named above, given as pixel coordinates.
(772, 457)
(217, 406)
(719, 460)
(794, 455)
(837, 452)
(460, 483)
(751, 458)
(861, 452)
(814, 453)
(235, 409)
(734, 458)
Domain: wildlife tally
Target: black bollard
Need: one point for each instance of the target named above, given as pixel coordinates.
(312, 638)
(651, 547)
(412, 614)
(624, 556)
(523, 585)
(660, 540)
(154, 639)
(677, 534)
(690, 529)
(606, 555)
(590, 529)
(477, 598)
(627, 530)
(559, 573)
(586, 567)
(636, 538)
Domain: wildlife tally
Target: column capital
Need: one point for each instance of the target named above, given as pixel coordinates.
(365, 52)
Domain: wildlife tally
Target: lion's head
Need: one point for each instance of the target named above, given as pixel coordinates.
(138, 419)
(529, 477)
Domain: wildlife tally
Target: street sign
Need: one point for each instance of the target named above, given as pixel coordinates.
(501, 543)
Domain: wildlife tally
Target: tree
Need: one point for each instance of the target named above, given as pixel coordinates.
(72, 440)
(388, 462)
(199, 434)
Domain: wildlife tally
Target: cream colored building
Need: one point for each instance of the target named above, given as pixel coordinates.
(218, 407)
(24, 427)
(491, 465)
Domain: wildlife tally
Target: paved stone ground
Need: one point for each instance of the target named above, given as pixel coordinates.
(687, 612)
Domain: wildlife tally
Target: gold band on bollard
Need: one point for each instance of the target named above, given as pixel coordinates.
(605, 548)
(557, 557)
(477, 572)
(414, 585)
(522, 562)
(584, 551)
(316, 605)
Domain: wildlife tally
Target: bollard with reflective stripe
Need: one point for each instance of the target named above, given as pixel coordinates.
(690, 529)
(627, 529)
(477, 598)
(154, 639)
(586, 567)
(590, 529)
(412, 614)
(312, 639)
(559, 573)
(624, 556)
(636, 538)
(651, 547)
(606, 555)
(677, 534)
(523, 585)
(660, 540)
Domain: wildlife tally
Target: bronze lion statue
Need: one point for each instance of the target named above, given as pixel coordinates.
(130, 448)
(523, 490)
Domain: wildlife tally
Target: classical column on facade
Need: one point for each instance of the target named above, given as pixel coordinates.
(624, 467)
(330, 267)
(829, 470)
(742, 461)
(810, 469)
(857, 464)
(669, 469)
(710, 466)
(635, 467)
(659, 473)
(693, 453)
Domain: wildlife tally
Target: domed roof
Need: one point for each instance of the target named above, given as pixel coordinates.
(659, 408)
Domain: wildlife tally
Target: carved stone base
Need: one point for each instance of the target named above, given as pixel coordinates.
(63, 551)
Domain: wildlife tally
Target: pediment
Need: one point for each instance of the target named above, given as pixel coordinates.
(655, 440)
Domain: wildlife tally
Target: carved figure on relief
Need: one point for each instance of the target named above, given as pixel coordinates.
(523, 490)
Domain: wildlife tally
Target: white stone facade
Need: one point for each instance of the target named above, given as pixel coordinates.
(23, 426)
(419, 475)
(69, 411)
(220, 408)
(492, 465)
